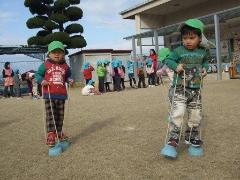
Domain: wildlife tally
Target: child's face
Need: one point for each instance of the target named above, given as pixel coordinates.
(191, 41)
(57, 55)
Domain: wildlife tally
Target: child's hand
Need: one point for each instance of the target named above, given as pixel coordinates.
(204, 72)
(44, 83)
(71, 81)
(179, 68)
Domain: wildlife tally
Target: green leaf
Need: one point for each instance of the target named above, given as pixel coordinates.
(50, 25)
(43, 33)
(47, 1)
(31, 3)
(77, 41)
(74, 28)
(36, 40)
(74, 13)
(36, 22)
(39, 9)
(58, 36)
(74, 1)
(61, 4)
(59, 18)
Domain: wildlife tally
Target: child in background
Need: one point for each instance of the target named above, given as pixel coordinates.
(153, 56)
(101, 74)
(116, 75)
(17, 85)
(131, 74)
(52, 75)
(192, 60)
(140, 73)
(8, 74)
(121, 71)
(89, 89)
(107, 78)
(87, 71)
(163, 68)
(150, 73)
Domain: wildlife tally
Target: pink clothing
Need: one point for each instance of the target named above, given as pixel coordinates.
(155, 63)
(8, 81)
(150, 70)
(121, 72)
(166, 70)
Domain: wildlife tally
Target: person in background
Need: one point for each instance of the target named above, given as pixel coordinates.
(101, 74)
(17, 84)
(163, 69)
(140, 73)
(150, 72)
(89, 89)
(107, 78)
(121, 71)
(33, 86)
(117, 76)
(153, 56)
(130, 66)
(8, 74)
(87, 71)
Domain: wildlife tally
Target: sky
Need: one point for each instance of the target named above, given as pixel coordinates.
(102, 23)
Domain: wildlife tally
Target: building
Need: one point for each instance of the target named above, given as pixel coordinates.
(163, 17)
(92, 56)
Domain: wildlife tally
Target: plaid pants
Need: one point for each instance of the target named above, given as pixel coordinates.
(190, 102)
(58, 113)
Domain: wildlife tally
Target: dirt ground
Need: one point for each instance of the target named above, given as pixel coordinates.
(119, 136)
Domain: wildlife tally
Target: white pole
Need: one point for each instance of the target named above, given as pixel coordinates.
(134, 48)
(156, 41)
(218, 47)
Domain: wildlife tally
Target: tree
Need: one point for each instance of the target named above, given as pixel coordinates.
(51, 16)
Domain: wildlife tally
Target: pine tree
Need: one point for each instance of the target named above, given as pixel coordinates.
(51, 16)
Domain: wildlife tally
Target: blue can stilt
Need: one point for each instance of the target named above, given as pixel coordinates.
(55, 151)
(169, 151)
(195, 151)
(64, 145)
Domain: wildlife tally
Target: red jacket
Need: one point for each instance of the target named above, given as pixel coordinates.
(56, 75)
(87, 73)
(154, 58)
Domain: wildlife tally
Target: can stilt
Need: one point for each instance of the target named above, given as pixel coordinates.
(169, 151)
(55, 150)
(195, 151)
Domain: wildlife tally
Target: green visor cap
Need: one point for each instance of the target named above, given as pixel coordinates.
(195, 23)
(163, 53)
(55, 45)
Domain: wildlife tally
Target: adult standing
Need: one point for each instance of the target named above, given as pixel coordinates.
(8, 74)
(153, 55)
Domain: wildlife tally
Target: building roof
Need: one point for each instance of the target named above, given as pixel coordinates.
(94, 51)
(22, 49)
(224, 16)
(136, 7)
(159, 7)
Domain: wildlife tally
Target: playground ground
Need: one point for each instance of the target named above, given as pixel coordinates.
(119, 136)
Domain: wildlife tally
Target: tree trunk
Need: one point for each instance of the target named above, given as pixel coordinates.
(61, 27)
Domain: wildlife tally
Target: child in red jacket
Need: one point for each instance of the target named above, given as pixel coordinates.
(52, 75)
(87, 72)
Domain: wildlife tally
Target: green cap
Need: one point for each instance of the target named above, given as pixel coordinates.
(195, 23)
(55, 45)
(163, 53)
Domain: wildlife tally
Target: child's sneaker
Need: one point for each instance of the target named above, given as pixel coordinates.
(196, 142)
(62, 136)
(187, 140)
(173, 142)
(51, 139)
